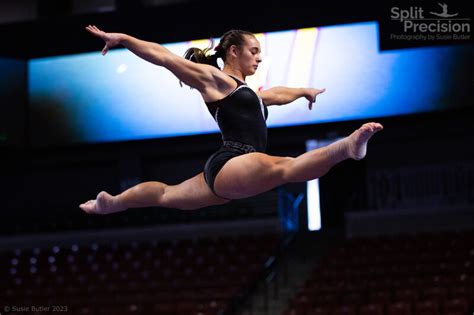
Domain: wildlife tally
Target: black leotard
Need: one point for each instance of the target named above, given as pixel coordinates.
(241, 117)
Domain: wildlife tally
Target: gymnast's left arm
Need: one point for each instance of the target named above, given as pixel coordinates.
(281, 95)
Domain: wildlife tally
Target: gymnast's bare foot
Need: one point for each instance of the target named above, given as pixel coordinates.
(357, 141)
(104, 204)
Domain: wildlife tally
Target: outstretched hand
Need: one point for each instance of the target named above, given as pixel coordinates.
(110, 39)
(311, 96)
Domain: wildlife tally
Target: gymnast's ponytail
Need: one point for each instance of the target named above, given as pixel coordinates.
(198, 55)
(203, 55)
(232, 37)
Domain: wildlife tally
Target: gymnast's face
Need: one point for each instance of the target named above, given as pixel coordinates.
(249, 55)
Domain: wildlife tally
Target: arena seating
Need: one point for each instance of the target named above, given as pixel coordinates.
(183, 277)
(424, 274)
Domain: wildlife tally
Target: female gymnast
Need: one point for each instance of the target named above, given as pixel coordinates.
(240, 168)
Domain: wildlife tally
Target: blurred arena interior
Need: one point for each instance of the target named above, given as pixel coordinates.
(397, 233)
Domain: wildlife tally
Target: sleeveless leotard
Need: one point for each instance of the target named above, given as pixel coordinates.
(241, 117)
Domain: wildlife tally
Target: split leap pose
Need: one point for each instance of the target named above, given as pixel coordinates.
(240, 168)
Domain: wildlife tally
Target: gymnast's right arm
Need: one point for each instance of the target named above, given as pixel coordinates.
(198, 76)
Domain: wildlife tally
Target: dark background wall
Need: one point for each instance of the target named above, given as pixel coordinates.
(59, 29)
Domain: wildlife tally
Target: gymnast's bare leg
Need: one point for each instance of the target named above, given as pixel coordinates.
(237, 178)
(188, 195)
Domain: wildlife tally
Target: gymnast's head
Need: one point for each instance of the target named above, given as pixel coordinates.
(239, 50)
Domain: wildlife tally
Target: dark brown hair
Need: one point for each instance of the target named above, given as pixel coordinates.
(232, 37)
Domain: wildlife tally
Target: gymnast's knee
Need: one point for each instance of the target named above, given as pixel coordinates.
(171, 198)
(165, 197)
(285, 169)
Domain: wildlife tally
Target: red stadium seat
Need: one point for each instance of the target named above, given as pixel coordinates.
(118, 309)
(427, 307)
(399, 308)
(462, 292)
(435, 293)
(456, 305)
(353, 298)
(344, 310)
(290, 311)
(327, 299)
(406, 295)
(380, 297)
(321, 310)
(371, 309)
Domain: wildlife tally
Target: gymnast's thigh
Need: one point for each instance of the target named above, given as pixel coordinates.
(191, 194)
(251, 174)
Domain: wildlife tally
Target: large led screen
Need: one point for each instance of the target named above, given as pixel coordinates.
(89, 98)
